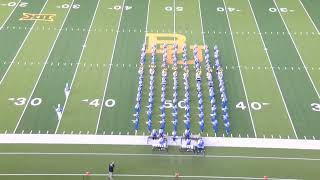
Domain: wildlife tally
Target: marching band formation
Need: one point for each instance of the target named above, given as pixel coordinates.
(222, 90)
(187, 106)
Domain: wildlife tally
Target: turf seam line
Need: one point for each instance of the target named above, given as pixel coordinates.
(274, 75)
(301, 59)
(79, 61)
(21, 46)
(237, 57)
(43, 68)
(109, 71)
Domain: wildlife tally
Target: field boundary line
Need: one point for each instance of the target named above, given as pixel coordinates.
(236, 53)
(4, 23)
(158, 155)
(21, 46)
(144, 141)
(43, 68)
(79, 61)
(109, 70)
(274, 75)
(149, 175)
(309, 17)
(301, 59)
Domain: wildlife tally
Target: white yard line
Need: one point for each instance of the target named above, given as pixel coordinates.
(79, 61)
(106, 85)
(244, 87)
(147, 175)
(147, 22)
(25, 39)
(309, 16)
(174, 19)
(44, 66)
(4, 23)
(274, 75)
(202, 32)
(296, 48)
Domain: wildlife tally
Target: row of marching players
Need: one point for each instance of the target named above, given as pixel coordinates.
(186, 87)
(222, 90)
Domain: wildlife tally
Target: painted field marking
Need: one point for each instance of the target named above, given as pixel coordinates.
(242, 33)
(309, 16)
(10, 15)
(79, 61)
(149, 175)
(46, 61)
(25, 39)
(202, 32)
(274, 75)
(282, 68)
(108, 75)
(236, 53)
(296, 49)
(174, 19)
(159, 155)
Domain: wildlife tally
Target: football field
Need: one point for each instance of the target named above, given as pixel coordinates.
(270, 58)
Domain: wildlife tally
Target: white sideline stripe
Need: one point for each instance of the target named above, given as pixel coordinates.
(309, 17)
(142, 140)
(149, 175)
(106, 85)
(274, 75)
(4, 23)
(161, 155)
(296, 48)
(25, 39)
(79, 61)
(43, 68)
(244, 87)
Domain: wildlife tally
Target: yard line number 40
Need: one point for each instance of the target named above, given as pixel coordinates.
(109, 103)
(254, 105)
(258, 106)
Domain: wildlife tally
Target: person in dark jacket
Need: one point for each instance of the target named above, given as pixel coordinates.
(111, 169)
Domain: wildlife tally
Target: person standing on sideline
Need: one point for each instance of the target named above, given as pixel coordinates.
(111, 168)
